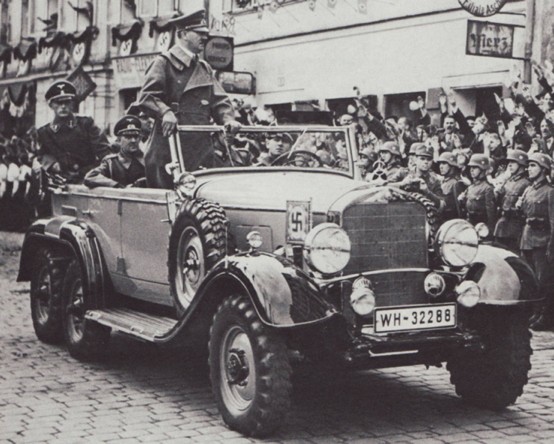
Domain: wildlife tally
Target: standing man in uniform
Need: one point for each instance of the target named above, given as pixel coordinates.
(181, 89)
(452, 185)
(125, 168)
(70, 145)
(422, 178)
(479, 197)
(537, 246)
(510, 225)
(389, 154)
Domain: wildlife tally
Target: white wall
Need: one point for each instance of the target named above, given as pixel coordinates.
(393, 57)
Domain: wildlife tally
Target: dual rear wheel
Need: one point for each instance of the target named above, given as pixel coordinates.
(58, 306)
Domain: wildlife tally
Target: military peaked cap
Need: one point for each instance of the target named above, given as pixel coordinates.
(518, 156)
(449, 158)
(391, 147)
(480, 161)
(128, 125)
(60, 89)
(192, 22)
(543, 160)
(424, 150)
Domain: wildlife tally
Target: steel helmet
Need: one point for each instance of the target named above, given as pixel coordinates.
(518, 156)
(480, 161)
(391, 147)
(543, 160)
(449, 158)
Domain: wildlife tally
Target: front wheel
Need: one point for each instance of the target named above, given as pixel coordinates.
(494, 378)
(249, 369)
(85, 339)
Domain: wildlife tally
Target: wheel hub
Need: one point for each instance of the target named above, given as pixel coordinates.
(237, 367)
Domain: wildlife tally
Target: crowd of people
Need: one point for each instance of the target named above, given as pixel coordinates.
(494, 170)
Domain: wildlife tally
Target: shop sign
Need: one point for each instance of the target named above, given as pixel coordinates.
(219, 53)
(129, 71)
(237, 82)
(489, 39)
(482, 8)
(83, 83)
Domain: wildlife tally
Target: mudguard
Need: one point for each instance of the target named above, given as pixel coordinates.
(282, 294)
(75, 238)
(504, 278)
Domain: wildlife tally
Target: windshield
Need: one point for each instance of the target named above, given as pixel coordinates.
(296, 147)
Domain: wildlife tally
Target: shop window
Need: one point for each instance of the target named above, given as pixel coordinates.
(4, 20)
(155, 8)
(24, 18)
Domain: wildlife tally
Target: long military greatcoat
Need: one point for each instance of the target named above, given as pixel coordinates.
(175, 81)
(78, 146)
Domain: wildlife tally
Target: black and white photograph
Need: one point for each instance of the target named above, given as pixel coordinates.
(276, 221)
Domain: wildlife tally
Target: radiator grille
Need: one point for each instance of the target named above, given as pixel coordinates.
(385, 236)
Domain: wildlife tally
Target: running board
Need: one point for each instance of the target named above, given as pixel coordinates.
(135, 323)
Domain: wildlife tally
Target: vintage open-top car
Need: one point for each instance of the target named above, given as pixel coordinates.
(269, 265)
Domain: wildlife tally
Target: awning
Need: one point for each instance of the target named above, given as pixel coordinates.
(161, 24)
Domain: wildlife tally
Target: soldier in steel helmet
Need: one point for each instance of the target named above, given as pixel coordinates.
(389, 154)
(422, 179)
(537, 246)
(510, 225)
(478, 199)
(70, 145)
(125, 168)
(452, 185)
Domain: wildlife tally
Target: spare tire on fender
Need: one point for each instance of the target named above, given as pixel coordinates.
(198, 240)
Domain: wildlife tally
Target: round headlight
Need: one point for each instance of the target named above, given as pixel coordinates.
(327, 248)
(457, 242)
(482, 230)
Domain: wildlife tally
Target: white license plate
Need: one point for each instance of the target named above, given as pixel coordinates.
(416, 317)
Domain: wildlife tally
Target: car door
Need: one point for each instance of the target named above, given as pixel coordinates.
(144, 241)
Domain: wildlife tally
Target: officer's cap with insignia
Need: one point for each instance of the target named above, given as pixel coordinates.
(60, 89)
(541, 159)
(195, 21)
(481, 161)
(128, 125)
(517, 156)
(425, 151)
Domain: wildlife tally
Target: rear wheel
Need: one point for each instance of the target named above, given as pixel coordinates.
(249, 369)
(85, 339)
(494, 378)
(46, 296)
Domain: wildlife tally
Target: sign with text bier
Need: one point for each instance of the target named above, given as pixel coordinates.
(489, 39)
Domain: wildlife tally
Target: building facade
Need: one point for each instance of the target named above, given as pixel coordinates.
(103, 46)
(393, 51)
(302, 52)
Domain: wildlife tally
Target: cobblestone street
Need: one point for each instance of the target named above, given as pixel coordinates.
(140, 393)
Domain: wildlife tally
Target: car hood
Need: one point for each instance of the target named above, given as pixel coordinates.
(272, 189)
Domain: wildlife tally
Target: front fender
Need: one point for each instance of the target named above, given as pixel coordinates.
(72, 239)
(504, 278)
(282, 294)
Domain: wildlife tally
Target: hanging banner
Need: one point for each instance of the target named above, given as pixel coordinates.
(489, 39)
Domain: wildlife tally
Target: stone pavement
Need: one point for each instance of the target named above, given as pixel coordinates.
(140, 393)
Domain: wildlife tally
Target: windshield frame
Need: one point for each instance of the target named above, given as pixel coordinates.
(353, 172)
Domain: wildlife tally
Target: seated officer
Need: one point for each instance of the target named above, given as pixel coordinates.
(125, 168)
(70, 145)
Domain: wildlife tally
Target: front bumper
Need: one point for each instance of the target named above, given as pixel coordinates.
(399, 349)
